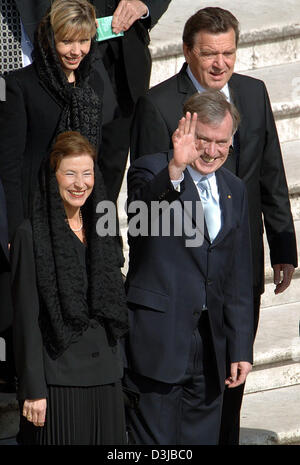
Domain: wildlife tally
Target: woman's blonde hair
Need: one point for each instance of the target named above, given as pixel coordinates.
(72, 19)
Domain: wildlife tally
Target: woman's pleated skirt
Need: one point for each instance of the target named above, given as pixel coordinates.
(79, 416)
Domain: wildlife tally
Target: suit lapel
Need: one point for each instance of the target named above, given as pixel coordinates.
(236, 98)
(185, 85)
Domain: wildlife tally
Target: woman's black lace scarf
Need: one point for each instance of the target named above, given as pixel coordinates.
(81, 106)
(65, 313)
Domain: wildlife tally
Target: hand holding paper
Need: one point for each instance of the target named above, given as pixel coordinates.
(127, 12)
(104, 29)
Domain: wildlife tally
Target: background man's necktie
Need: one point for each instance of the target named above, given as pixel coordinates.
(210, 207)
(10, 37)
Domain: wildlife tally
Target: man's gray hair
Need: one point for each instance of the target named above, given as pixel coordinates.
(211, 107)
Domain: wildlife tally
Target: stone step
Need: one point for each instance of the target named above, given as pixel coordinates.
(271, 417)
(276, 349)
(283, 84)
(269, 36)
(291, 158)
(292, 293)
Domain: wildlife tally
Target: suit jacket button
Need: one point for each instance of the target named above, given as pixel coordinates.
(95, 354)
(209, 282)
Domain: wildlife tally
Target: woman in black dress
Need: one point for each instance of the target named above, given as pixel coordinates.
(60, 91)
(70, 308)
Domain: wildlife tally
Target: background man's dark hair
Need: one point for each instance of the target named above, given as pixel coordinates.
(213, 20)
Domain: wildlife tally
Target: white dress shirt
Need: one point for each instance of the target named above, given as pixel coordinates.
(199, 88)
(196, 176)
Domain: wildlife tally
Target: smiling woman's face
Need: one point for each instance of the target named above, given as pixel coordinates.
(75, 178)
(71, 51)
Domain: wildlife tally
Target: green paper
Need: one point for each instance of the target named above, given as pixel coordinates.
(104, 30)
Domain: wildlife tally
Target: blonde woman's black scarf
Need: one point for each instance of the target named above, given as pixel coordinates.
(65, 312)
(81, 106)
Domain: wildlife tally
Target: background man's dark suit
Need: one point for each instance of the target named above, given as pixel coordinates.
(128, 63)
(256, 159)
(4, 262)
(168, 283)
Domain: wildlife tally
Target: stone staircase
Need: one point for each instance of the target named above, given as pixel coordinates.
(269, 49)
(271, 409)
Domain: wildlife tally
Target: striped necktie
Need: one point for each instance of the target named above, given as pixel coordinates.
(10, 37)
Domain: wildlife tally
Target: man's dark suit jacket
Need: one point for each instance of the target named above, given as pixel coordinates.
(257, 158)
(135, 43)
(128, 63)
(168, 283)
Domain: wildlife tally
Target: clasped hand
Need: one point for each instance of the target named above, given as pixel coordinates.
(283, 273)
(238, 374)
(34, 410)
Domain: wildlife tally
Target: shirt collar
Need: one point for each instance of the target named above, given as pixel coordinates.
(196, 176)
(199, 88)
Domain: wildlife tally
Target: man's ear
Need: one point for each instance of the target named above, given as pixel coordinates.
(186, 52)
